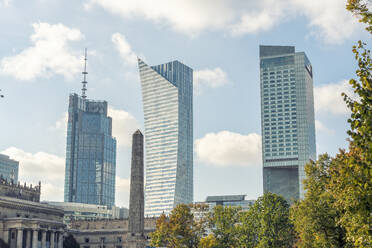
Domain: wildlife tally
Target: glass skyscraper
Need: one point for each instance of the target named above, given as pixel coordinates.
(90, 153)
(167, 93)
(9, 168)
(287, 119)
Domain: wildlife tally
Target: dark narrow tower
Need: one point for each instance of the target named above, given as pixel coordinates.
(136, 201)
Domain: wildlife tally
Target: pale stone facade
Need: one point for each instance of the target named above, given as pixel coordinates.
(27, 224)
(110, 233)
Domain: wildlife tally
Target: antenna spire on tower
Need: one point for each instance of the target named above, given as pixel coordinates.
(84, 89)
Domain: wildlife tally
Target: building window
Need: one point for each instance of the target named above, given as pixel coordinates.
(86, 240)
(119, 240)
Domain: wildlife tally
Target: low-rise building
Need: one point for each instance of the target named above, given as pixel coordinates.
(229, 200)
(109, 233)
(82, 211)
(223, 200)
(25, 222)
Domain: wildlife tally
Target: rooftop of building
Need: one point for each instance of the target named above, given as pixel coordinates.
(224, 198)
(268, 51)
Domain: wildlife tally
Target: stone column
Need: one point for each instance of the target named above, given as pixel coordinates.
(43, 238)
(136, 199)
(29, 239)
(19, 238)
(35, 235)
(60, 240)
(6, 236)
(52, 239)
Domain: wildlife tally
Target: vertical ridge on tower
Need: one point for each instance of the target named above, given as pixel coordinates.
(84, 82)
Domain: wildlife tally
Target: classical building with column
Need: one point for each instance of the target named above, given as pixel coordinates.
(27, 223)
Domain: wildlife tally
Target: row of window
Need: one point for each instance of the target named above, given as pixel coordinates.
(280, 154)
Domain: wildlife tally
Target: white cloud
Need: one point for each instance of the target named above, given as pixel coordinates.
(61, 124)
(6, 2)
(123, 126)
(330, 18)
(50, 170)
(40, 166)
(212, 78)
(48, 55)
(228, 149)
(122, 191)
(124, 49)
(328, 99)
(261, 17)
(321, 128)
(327, 19)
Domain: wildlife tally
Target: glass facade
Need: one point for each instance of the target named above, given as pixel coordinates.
(90, 153)
(168, 112)
(9, 168)
(287, 119)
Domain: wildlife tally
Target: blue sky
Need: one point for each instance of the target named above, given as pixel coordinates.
(41, 48)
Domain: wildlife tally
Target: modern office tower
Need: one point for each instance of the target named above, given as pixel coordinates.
(287, 119)
(136, 202)
(9, 168)
(90, 152)
(167, 102)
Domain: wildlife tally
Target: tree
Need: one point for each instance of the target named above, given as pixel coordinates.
(208, 242)
(351, 174)
(70, 242)
(315, 218)
(181, 229)
(223, 221)
(360, 9)
(270, 214)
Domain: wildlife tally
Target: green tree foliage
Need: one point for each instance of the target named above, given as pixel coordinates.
(351, 173)
(269, 216)
(181, 229)
(360, 9)
(265, 224)
(223, 222)
(208, 242)
(70, 242)
(315, 218)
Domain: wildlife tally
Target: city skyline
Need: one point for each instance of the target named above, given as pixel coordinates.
(40, 65)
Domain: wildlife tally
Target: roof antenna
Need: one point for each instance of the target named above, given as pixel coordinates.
(84, 89)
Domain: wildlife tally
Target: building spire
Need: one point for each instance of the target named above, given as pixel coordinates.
(84, 89)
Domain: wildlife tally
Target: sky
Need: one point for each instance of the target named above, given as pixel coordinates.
(41, 58)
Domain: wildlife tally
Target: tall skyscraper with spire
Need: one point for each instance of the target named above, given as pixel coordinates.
(287, 119)
(90, 151)
(167, 94)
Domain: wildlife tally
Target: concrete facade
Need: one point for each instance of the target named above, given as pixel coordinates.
(27, 223)
(110, 233)
(23, 192)
(82, 211)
